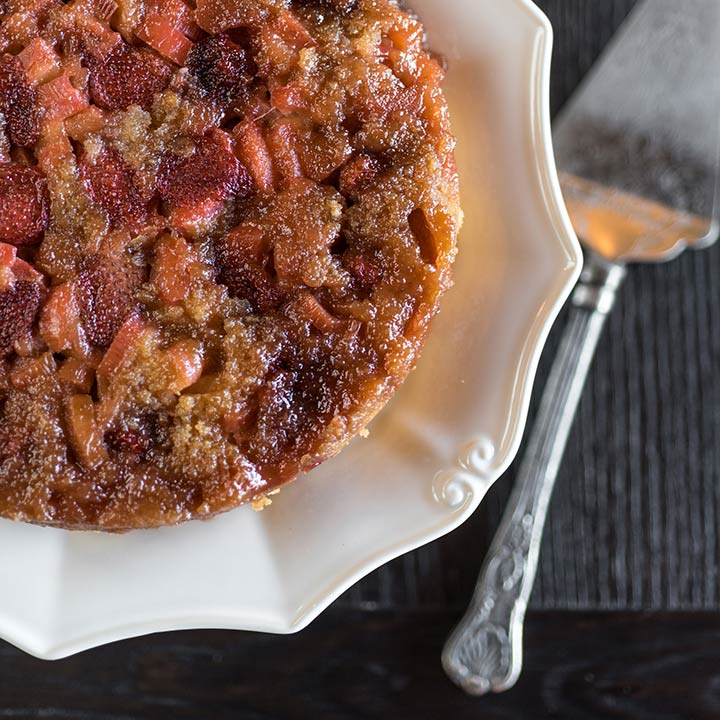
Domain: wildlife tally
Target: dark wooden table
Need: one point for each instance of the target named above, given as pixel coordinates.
(624, 621)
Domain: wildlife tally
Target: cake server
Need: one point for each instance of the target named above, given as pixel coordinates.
(638, 148)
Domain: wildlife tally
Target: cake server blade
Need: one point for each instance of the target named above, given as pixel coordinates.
(638, 147)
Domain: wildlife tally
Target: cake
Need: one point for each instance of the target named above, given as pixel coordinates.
(224, 231)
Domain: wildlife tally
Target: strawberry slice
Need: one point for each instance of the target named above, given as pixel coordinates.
(111, 184)
(195, 185)
(129, 76)
(220, 67)
(21, 291)
(243, 258)
(18, 103)
(24, 204)
(18, 308)
(106, 297)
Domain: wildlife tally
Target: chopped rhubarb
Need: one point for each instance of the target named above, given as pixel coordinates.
(104, 9)
(85, 123)
(112, 185)
(39, 60)
(18, 102)
(288, 98)
(24, 204)
(61, 99)
(289, 28)
(174, 274)
(216, 16)
(311, 309)
(357, 174)
(184, 363)
(77, 374)
(282, 142)
(252, 149)
(54, 148)
(182, 18)
(122, 347)
(84, 434)
(94, 39)
(161, 35)
(13, 268)
(60, 325)
(129, 76)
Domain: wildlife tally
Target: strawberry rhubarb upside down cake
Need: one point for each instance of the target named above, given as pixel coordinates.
(224, 229)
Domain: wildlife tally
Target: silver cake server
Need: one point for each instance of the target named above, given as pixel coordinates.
(638, 148)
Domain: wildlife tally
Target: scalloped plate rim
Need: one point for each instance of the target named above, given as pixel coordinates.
(27, 640)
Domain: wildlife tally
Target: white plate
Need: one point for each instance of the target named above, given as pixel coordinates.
(433, 453)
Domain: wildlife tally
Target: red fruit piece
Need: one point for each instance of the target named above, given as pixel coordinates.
(181, 17)
(106, 294)
(131, 441)
(242, 261)
(357, 174)
(39, 60)
(196, 184)
(60, 99)
(111, 184)
(18, 103)
(129, 76)
(18, 307)
(24, 204)
(160, 33)
(219, 15)
(363, 269)
(176, 269)
(255, 154)
(220, 67)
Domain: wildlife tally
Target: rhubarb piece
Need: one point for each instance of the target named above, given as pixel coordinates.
(184, 363)
(161, 35)
(39, 60)
(175, 270)
(60, 323)
(253, 151)
(60, 99)
(216, 16)
(84, 434)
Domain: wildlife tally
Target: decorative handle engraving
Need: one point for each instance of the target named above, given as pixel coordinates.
(484, 653)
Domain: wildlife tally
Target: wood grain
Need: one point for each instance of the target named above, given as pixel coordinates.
(353, 665)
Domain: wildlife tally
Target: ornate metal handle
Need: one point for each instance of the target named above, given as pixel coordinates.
(484, 652)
